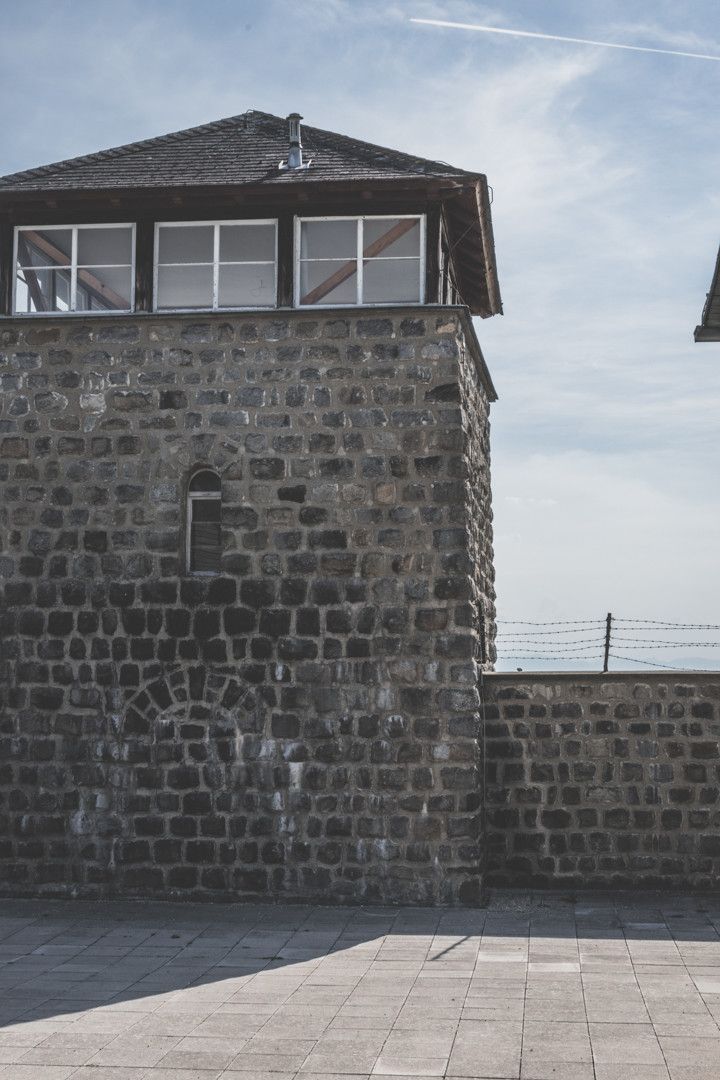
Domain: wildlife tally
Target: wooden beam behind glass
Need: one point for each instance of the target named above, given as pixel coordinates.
(31, 279)
(89, 281)
(348, 269)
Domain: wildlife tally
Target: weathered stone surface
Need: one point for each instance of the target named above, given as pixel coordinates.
(604, 780)
(302, 725)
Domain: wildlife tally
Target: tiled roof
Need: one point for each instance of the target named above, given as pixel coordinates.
(243, 149)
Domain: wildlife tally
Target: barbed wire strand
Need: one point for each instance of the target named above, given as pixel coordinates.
(553, 644)
(662, 623)
(560, 622)
(650, 663)
(522, 656)
(658, 643)
(547, 633)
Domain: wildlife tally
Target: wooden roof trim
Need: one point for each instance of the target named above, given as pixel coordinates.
(488, 241)
(437, 187)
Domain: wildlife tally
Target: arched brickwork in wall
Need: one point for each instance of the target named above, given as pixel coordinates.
(195, 766)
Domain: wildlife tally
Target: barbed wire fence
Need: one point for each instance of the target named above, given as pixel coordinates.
(603, 640)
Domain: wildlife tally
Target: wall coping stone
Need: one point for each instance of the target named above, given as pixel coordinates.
(603, 676)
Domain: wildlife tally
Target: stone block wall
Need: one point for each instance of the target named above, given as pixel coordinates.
(303, 725)
(603, 780)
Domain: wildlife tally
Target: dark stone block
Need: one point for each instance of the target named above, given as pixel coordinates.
(143, 878)
(297, 649)
(267, 468)
(415, 699)
(285, 726)
(328, 538)
(704, 750)
(275, 622)
(46, 698)
(159, 592)
(173, 399)
(250, 881)
(206, 624)
(445, 392)
(257, 592)
(296, 493)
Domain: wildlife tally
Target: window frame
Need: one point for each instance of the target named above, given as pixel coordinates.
(200, 496)
(216, 264)
(359, 261)
(17, 229)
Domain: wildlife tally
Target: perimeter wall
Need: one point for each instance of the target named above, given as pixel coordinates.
(602, 780)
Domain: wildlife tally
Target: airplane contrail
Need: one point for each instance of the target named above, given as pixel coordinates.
(557, 37)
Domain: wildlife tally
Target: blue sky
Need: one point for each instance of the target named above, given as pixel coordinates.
(605, 167)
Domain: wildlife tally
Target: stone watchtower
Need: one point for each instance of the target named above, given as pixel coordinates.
(245, 523)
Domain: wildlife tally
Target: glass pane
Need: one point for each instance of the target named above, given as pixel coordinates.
(23, 302)
(185, 244)
(43, 290)
(328, 239)
(103, 289)
(247, 286)
(392, 236)
(103, 247)
(391, 281)
(206, 510)
(47, 247)
(328, 282)
(245, 243)
(185, 287)
(206, 480)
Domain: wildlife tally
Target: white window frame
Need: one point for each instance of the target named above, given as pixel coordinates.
(216, 264)
(191, 496)
(360, 262)
(74, 269)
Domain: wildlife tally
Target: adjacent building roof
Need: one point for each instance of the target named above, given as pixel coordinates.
(244, 149)
(709, 328)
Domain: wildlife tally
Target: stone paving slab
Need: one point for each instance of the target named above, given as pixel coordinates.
(531, 987)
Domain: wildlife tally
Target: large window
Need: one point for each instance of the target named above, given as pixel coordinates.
(359, 260)
(67, 268)
(204, 523)
(215, 265)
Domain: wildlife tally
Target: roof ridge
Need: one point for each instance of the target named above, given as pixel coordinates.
(126, 148)
(362, 144)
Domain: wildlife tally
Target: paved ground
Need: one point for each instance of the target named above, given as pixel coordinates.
(532, 988)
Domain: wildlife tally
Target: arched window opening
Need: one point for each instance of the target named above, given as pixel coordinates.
(204, 523)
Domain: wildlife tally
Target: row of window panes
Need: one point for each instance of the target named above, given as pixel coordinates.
(220, 265)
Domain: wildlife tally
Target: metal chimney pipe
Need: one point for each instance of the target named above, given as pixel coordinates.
(295, 160)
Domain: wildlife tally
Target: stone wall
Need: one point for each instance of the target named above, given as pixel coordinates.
(304, 724)
(603, 780)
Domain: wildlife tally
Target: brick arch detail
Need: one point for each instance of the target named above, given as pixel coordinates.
(183, 687)
(184, 786)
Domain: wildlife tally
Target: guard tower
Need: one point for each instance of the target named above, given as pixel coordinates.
(245, 520)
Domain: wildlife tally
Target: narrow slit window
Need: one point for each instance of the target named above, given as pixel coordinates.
(74, 268)
(214, 266)
(204, 523)
(359, 260)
